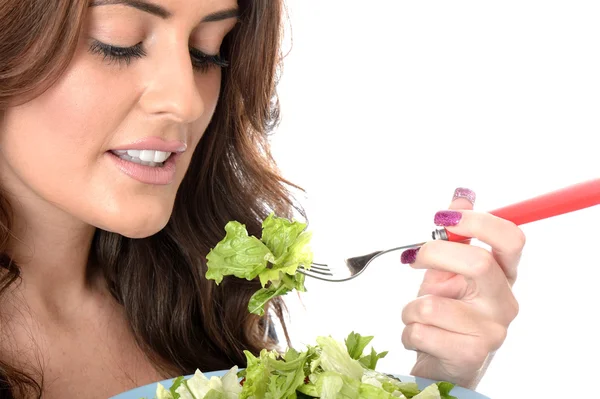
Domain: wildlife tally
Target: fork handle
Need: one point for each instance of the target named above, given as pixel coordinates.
(568, 199)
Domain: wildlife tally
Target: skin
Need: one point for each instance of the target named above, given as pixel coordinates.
(62, 184)
(465, 303)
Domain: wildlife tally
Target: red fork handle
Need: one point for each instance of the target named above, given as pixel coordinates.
(568, 199)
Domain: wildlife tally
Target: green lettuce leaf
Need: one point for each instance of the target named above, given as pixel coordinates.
(289, 244)
(162, 393)
(356, 344)
(445, 388)
(261, 297)
(201, 387)
(368, 391)
(334, 385)
(274, 377)
(430, 392)
(335, 357)
(238, 255)
(172, 393)
(274, 259)
(370, 361)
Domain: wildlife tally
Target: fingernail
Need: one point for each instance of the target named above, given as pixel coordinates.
(447, 218)
(465, 193)
(409, 256)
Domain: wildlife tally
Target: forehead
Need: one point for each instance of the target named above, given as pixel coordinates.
(167, 9)
(207, 6)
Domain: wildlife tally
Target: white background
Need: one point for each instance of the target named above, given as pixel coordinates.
(388, 106)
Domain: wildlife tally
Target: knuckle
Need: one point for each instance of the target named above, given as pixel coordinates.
(497, 337)
(426, 248)
(417, 334)
(513, 308)
(428, 307)
(407, 314)
(475, 354)
(412, 336)
(406, 338)
(517, 241)
(483, 263)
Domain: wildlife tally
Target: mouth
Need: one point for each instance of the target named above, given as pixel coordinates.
(147, 166)
(152, 158)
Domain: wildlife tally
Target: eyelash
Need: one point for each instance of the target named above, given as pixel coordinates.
(200, 61)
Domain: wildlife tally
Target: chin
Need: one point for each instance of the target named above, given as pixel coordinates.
(136, 223)
(144, 230)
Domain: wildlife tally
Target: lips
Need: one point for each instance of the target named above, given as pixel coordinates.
(151, 160)
(153, 144)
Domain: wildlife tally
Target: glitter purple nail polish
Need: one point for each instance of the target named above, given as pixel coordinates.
(409, 256)
(447, 218)
(465, 193)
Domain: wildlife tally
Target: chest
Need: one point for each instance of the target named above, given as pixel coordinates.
(95, 367)
(91, 359)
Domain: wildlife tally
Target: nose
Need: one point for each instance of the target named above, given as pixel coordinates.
(171, 89)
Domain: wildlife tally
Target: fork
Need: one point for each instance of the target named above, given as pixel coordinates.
(565, 200)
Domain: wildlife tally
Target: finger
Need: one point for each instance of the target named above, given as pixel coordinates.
(463, 198)
(439, 283)
(472, 262)
(504, 237)
(446, 345)
(451, 315)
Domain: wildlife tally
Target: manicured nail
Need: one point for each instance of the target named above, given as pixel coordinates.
(447, 218)
(465, 193)
(409, 256)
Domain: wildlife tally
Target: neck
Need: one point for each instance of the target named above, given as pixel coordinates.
(52, 250)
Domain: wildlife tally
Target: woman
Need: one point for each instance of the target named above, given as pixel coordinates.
(131, 132)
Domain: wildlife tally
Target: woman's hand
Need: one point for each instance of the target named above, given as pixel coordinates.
(465, 303)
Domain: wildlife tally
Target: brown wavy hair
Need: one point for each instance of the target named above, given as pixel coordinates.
(232, 176)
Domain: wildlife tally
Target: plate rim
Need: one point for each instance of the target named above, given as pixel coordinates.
(422, 382)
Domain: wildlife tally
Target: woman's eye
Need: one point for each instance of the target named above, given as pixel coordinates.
(203, 61)
(117, 54)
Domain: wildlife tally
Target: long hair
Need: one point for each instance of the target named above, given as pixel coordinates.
(232, 176)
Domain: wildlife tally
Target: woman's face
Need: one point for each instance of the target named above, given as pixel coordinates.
(110, 142)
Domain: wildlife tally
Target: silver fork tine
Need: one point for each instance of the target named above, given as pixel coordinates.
(318, 266)
(352, 266)
(314, 270)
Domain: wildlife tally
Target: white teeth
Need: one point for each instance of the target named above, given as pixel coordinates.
(143, 157)
(161, 156)
(146, 155)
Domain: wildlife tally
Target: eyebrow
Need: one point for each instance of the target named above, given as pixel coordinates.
(162, 12)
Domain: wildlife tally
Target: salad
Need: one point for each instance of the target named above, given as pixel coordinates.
(328, 370)
(274, 258)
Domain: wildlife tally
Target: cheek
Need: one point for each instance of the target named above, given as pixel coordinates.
(209, 86)
(52, 146)
(70, 124)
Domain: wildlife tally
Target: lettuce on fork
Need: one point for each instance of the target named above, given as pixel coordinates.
(327, 370)
(274, 258)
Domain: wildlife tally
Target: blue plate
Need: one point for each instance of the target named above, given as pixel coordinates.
(148, 391)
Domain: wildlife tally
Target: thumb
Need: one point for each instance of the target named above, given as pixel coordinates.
(463, 198)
